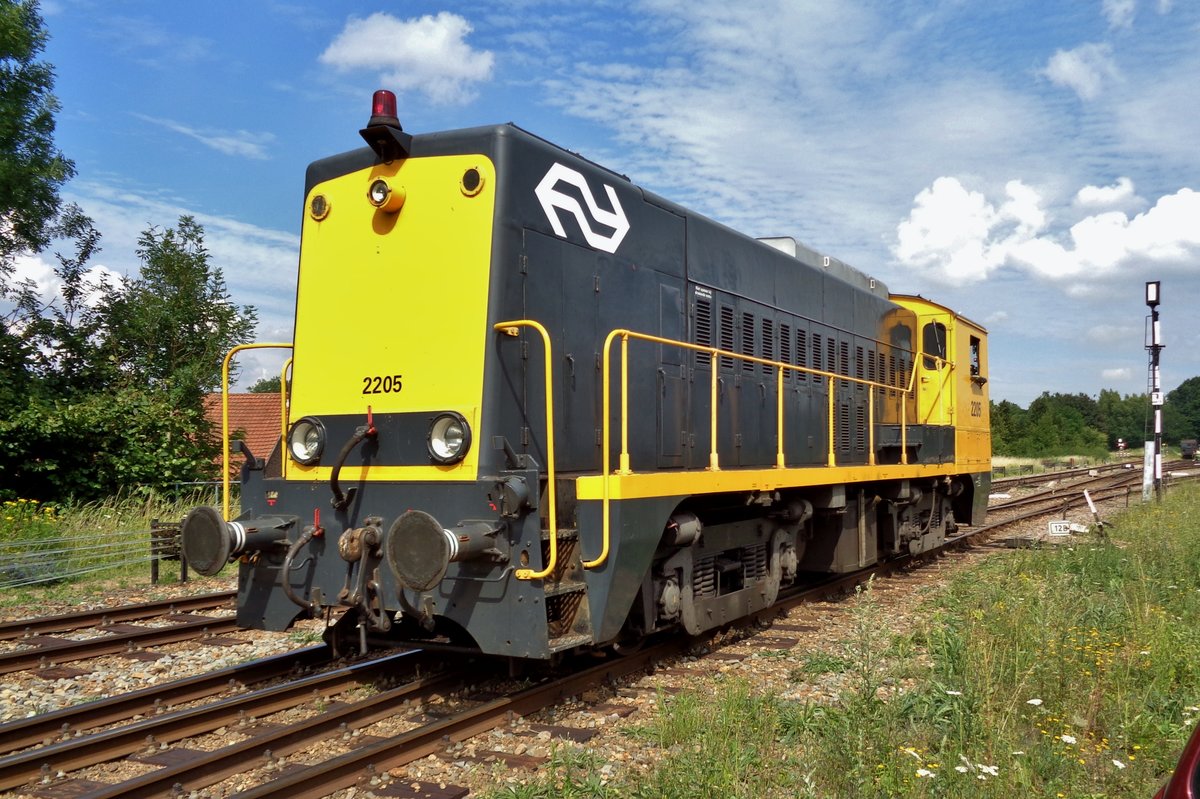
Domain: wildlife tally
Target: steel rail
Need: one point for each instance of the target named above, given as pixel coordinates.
(77, 719)
(222, 763)
(100, 747)
(71, 651)
(21, 628)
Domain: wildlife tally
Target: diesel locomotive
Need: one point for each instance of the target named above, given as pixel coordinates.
(535, 408)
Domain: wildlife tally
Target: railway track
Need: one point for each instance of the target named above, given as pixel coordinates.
(25, 628)
(356, 752)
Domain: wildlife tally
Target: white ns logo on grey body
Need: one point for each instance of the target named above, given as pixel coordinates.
(553, 201)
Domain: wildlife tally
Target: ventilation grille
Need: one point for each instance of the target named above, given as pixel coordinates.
(703, 328)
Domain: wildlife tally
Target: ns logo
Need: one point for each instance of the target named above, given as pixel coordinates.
(555, 202)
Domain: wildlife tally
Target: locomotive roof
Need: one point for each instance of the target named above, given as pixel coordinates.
(465, 141)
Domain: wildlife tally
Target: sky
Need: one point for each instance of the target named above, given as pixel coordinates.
(1029, 164)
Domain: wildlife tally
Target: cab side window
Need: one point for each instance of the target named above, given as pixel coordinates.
(975, 367)
(933, 342)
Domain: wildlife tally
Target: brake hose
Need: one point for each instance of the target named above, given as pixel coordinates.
(292, 552)
(341, 501)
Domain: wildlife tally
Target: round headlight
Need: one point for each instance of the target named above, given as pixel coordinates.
(449, 438)
(384, 197)
(306, 440)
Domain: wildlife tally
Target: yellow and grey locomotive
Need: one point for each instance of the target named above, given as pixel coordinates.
(534, 407)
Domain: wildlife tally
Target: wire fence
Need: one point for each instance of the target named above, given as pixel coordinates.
(33, 560)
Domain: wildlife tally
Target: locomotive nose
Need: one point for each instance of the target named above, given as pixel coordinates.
(208, 541)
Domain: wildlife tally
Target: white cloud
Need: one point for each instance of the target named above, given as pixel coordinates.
(1084, 70)
(240, 143)
(1118, 195)
(954, 235)
(1121, 373)
(40, 272)
(429, 54)
(1119, 13)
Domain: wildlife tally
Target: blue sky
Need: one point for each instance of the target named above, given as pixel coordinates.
(1030, 164)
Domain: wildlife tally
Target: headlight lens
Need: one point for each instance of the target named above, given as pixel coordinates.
(449, 438)
(384, 197)
(306, 440)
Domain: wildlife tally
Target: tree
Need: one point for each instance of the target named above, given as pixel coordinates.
(1185, 404)
(113, 375)
(267, 385)
(1123, 417)
(170, 327)
(31, 167)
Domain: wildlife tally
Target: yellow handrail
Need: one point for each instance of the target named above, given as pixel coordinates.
(283, 416)
(714, 461)
(225, 415)
(511, 329)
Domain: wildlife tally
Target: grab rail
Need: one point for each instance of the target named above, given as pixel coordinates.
(225, 415)
(713, 456)
(511, 329)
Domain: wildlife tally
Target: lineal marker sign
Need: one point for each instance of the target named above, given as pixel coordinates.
(1060, 527)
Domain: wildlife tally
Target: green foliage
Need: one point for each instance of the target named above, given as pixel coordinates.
(102, 443)
(108, 397)
(1184, 402)
(267, 385)
(171, 326)
(1123, 417)
(1055, 425)
(31, 168)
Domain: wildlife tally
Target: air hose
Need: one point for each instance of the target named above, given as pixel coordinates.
(342, 501)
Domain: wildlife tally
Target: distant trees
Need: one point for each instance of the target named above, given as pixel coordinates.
(1076, 424)
(105, 393)
(266, 385)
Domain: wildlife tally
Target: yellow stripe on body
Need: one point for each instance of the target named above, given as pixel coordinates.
(682, 483)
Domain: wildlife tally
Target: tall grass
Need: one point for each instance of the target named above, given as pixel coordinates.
(56, 551)
(1071, 671)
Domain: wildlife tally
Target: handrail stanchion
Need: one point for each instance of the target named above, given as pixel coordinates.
(832, 421)
(283, 417)
(714, 462)
(605, 457)
(225, 415)
(624, 467)
(510, 328)
(871, 426)
(780, 462)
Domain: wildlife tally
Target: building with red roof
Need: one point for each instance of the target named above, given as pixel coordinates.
(253, 418)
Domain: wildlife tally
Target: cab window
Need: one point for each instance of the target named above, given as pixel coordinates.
(933, 342)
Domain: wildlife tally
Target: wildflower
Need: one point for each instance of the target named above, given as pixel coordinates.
(1034, 702)
(993, 771)
(1118, 763)
(1019, 752)
(954, 693)
(1068, 739)
(961, 769)
(924, 772)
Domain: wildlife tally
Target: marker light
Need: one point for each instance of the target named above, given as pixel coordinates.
(383, 109)
(306, 440)
(384, 197)
(449, 438)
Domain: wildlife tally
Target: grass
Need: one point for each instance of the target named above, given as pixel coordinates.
(60, 552)
(1061, 672)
